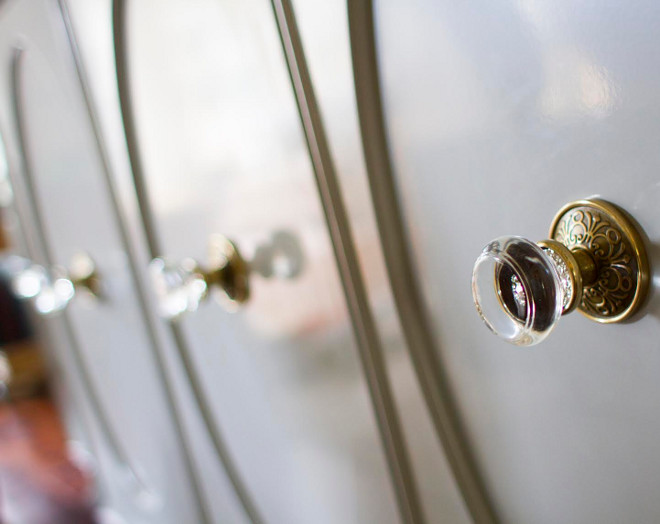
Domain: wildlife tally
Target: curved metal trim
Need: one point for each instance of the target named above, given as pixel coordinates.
(114, 442)
(156, 350)
(119, 15)
(369, 345)
(19, 203)
(401, 272)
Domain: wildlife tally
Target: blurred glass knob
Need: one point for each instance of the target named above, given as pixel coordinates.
(595, 260)
(51, 290)
(182, 286)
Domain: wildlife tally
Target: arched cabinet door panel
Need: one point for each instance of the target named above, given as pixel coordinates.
(61, 177)
(498, 114)
(324, 29)
(223, 153)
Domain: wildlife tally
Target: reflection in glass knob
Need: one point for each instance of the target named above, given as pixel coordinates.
(182, 286)
(179, 287)
(595, 261)
(51, 290)
(282, 257)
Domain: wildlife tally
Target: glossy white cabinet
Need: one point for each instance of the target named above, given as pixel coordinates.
(499, 113)
(223, 152)
(496, 115)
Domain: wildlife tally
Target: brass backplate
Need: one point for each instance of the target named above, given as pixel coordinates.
(616, 244)
(229, 271)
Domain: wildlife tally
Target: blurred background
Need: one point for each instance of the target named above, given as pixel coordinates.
(39, 481)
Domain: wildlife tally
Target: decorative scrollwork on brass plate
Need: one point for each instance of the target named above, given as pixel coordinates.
(617, 248)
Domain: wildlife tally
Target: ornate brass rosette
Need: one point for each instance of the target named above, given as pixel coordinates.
(616, 245)
(228, 271)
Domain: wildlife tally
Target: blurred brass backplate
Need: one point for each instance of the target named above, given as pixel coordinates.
(228, 271)
(610, 235)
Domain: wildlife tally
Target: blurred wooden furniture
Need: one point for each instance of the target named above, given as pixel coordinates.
(38, 482)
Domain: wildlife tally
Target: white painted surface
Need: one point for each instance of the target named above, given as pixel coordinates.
(224, 153)
(324, 32)
(498, 114)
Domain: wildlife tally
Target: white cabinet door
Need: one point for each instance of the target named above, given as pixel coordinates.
(326, 39)
(62, 178)
(223, 152)
(498, 114)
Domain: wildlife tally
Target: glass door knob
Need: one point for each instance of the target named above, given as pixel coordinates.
(51, 289)
(594, 260)
(181, 286)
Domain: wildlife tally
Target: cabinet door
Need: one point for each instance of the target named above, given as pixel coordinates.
(498, 114)
(64, 181)
(326, 37)
(223, 152)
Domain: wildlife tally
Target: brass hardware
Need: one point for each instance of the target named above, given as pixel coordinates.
(84, 275)
(594, 261)
(575, 270)
(51, 289)
(609, 250)
(227, 270)
(181, 287)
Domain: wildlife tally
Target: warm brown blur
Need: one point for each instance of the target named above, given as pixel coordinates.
(3, 236)
(40, 485)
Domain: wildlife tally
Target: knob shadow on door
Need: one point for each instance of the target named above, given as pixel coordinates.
(595, 261)
(181, 286)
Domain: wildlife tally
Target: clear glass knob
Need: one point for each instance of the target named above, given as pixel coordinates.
(282, 257)
(51, 289)
(48, 293)
(519, 289)
(594, 259)
(179, 287)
